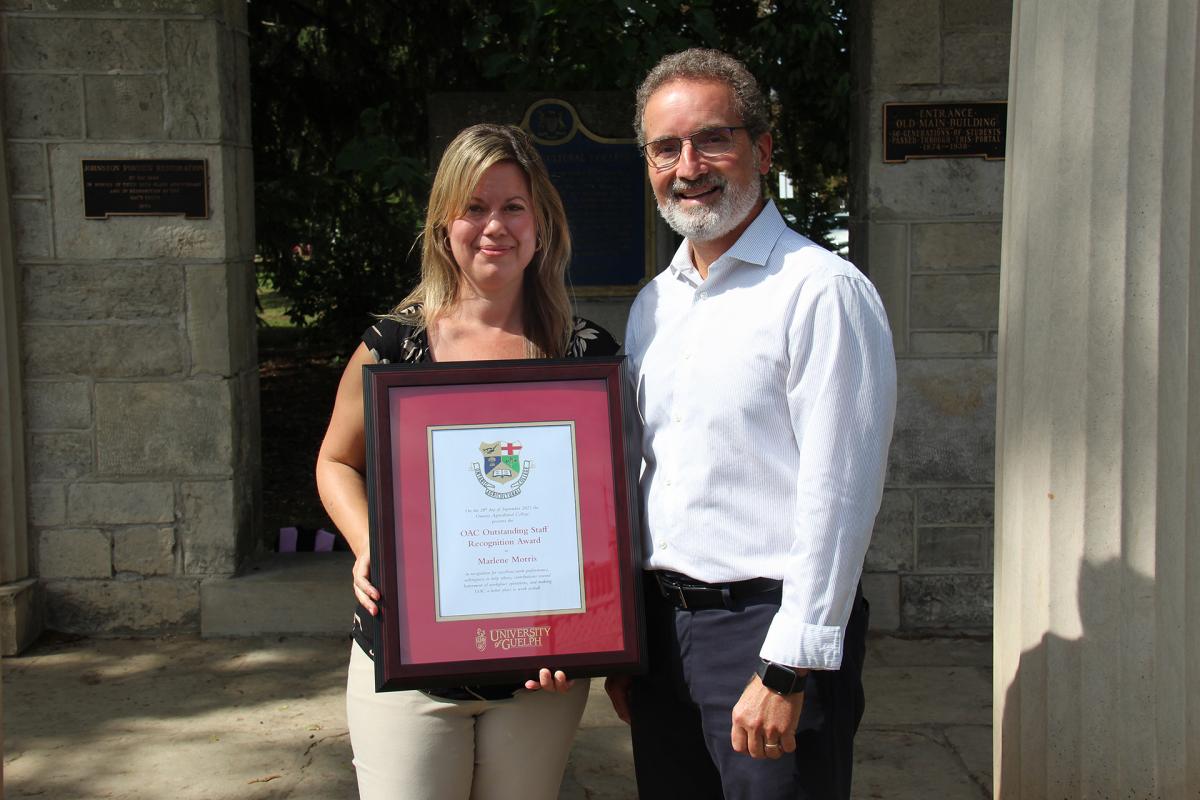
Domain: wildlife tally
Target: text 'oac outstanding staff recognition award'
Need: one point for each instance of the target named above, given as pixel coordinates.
(505, 512)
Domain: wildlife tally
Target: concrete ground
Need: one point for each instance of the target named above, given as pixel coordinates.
(264, 718)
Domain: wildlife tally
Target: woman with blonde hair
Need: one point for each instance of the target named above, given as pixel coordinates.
(494, 255)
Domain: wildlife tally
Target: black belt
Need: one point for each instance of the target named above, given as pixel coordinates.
(501, 692)
(693, 595)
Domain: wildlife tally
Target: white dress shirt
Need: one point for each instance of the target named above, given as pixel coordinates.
(766, 394)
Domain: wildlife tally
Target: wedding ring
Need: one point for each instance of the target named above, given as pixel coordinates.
(769, 744)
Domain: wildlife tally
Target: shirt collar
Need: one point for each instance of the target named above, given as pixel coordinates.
(754, 246)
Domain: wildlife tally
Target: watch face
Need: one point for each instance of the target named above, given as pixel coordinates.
(778, 678)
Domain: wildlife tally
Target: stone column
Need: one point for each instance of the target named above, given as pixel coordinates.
(927, 232)
(1097, 631)
(20, 621)
(137, 337)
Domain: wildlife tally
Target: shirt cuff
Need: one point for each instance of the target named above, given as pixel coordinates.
(799, 644)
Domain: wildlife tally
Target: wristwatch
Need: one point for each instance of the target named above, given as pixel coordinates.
(779, 678)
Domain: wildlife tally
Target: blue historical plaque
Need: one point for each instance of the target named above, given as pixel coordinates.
(145, 187)
(944, 130)
(603, 186)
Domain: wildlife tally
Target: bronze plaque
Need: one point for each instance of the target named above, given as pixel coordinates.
(944, 130)
(145, 187)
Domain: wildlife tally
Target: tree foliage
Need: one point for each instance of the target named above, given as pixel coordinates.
(341, 121)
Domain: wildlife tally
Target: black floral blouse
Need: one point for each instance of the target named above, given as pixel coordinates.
(393, 342)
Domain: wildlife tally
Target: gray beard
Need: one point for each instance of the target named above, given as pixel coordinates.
(703, 224)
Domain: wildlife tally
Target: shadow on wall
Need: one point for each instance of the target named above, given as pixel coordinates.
(1067, 685)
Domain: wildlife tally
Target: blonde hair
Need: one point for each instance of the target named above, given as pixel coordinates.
(546, 308)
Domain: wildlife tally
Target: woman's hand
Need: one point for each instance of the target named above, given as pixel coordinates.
(364, 592)
(550, 682)
(341, 464)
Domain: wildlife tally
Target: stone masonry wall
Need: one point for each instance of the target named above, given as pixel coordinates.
(928, 232)
(137, 336)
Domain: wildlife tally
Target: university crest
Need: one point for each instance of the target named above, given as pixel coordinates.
(504, 470)
(501, 460)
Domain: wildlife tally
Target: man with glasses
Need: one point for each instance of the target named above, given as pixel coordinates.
(765, 381)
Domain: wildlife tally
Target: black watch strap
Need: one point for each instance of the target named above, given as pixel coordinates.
(779, 678)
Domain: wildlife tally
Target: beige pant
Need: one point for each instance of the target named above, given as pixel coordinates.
(411, 745)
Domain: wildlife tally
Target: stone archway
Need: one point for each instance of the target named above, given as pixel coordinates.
(136, 338)
(19, 621)
(927, 231)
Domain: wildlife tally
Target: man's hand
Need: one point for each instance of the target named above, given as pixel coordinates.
(617, 687)
(761, 718)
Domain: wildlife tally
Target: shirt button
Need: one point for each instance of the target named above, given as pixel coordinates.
(679, 418)
(662, 546)
(704, 295)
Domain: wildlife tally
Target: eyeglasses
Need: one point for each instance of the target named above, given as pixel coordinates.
(662, 153)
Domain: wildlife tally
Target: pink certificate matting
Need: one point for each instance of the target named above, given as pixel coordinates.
(597, 629)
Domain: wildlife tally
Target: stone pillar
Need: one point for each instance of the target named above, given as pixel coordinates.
(20, 618)
(1097, 632)
(137, 338)
(927, 232)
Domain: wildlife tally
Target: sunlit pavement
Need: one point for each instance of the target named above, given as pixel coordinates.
(264, 718)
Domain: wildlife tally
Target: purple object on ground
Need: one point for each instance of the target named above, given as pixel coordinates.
(287, 539)
(324, 541)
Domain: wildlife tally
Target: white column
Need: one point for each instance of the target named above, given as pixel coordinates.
(1097, 615)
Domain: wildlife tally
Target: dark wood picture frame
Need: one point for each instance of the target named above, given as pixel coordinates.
(417, 647)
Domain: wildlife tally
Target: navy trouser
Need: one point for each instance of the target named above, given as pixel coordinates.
(700, 662)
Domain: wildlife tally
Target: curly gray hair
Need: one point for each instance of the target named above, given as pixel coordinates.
(699, 64)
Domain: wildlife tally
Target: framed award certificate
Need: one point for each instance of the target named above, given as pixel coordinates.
(502, 498)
